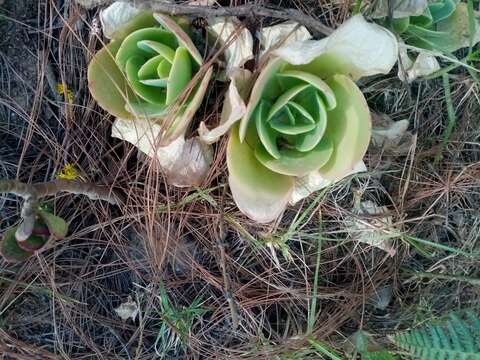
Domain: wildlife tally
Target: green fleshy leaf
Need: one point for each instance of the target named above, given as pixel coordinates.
(423, 20)
(278, 123)
(293, 107)
(307, 142)
(284, 98)
(266, 134)
(260, 193)
(442, 10)
(163, 69)
(182, 37)
(184, 117)
(150, 94)
(348, 127)
(451, 33)
(149, 69)
(147, 110)
(107, 83)
(9, 248)
(161, 83)
(325, 91)
(266, 80)
(295, 163)
(180, 75)
(155, 47)
(401, 25)
(56, 225)
(129, 47)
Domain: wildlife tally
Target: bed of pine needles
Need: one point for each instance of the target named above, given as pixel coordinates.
(204, 281)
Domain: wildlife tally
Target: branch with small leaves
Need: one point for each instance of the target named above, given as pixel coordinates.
(39, 226)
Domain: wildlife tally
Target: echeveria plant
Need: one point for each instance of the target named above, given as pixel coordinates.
(145, 69)
(306, 115)
(444, 25)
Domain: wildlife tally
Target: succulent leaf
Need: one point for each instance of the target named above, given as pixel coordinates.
(9, 247)
(259, 192)
(107, 84)
(56, 225)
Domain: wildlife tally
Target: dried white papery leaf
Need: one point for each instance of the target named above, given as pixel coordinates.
(372, 225)
(390, 136)
(234, 106)
(306, 185)
(240, 49)
(276, 36)
(365, 48)
(127, 310)
(400, 8)
(185, 163)
(425, 64)
(116, 16)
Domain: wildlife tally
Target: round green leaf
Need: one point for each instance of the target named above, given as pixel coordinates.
(9, 248)
(259, 192)
(296, 163)
(56, 225)
(180, 75)
(107, 84)
(348, 128)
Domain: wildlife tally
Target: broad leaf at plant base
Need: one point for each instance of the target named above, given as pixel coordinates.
(306, 115)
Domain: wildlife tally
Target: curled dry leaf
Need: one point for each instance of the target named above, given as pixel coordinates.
(314, 181)
(234, 106)
(357, 48)
(229, 30)
(391, 136)
(273, 37)
(185, 163)
(372, 225)
(424, 64)
(127, 310)
(117, 15)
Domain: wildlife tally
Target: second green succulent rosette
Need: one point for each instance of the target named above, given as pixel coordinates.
(306, 115)
(444, 25)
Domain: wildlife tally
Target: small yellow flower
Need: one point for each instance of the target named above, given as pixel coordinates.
(61, 91)
(69, 172)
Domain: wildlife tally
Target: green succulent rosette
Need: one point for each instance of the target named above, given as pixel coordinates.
(443, 26)
(305, 116)
(150, 70)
